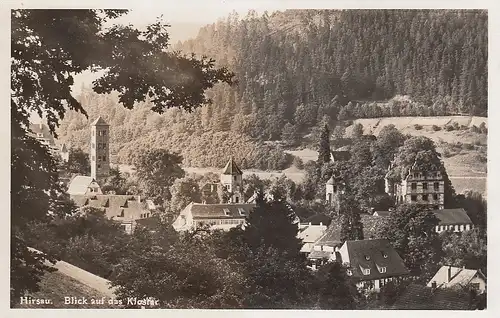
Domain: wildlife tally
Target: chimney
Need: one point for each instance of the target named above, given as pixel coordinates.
(309, 223)
(320, 223)
(449, 274)
(434, 285)
(41, 126)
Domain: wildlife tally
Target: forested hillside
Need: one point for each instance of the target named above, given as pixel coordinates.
(300, 68)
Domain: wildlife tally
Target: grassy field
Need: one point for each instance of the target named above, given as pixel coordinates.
(466, 168)
(55, 286)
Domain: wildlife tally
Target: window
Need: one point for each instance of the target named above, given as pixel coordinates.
(236, 200)
(366, 271)
(103, 158)
(234, 178)
(98, 166)
(334, 189)
(414, 186)
(435, 196)
(425, 197)
(413, 198)
(93, 146)
(384, 254)
(436, 186)
(103, 145)
(424, 185)
(226, 211)
(367, 257)
(382, 269)
(98, 158)
(93, 158)
(104, 132)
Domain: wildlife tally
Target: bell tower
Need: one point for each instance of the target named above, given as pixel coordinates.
(231, 179)
(99, 149)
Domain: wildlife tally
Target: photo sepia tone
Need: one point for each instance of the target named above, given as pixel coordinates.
(290, 159)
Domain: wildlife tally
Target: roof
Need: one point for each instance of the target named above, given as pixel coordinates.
(64, 148)
(371, 224)
(79, 185)
(422, 297)
(114, 205)
(459, 276)
(319, 218)
(231, 168)
(199, 210)
(340, 155)
(373, 255)
(44, 130)
(452, 216)
(311, 233)
(99, 122)
(319, 254)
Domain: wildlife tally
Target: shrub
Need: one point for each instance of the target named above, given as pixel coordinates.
(447, 153)
(298, 163)
(436, 128)
(448, 128)
(456, 126)
(468, 146)
(482, 128)
(417, 127)
(474, 129)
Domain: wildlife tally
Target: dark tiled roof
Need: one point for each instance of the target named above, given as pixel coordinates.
(452, 216)
(319, 218)
(219, 210)
(113, 205)
(341, 155)
(416, 297)
(374, 254)
(371, 224)
(231, 168)
(99, 122)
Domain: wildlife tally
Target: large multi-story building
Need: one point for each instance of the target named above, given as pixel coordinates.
(99, 149)
(420, 187)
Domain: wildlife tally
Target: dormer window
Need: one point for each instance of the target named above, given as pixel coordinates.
(349, 272)
(367, 257)
(366, 271)
(226, 212)
(384, 254)
(241, 212)
(382, 269)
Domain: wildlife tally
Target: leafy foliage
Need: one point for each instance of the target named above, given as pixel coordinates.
(47, 48)
(411, 230)
(157, 170)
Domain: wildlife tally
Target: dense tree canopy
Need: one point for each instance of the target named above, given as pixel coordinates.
(47, 48)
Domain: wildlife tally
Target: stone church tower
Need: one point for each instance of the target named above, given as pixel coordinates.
(334, 190)
(231, 179)
(99, 149)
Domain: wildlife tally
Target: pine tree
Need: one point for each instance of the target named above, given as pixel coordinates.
(324, 146)
(351, 226)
